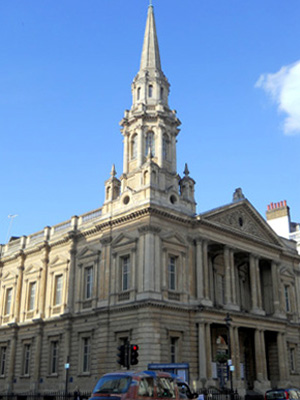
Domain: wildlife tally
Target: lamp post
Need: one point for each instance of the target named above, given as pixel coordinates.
(228, 321)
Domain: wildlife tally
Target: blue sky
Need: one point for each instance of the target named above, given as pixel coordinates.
(66, 69)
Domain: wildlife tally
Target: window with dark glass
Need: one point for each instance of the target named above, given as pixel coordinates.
(88, 282)
(54, 357)
(32, 292)
(3, 351)
(125, 272)
(86, 343)
(287, 298)
(172, 273)
(26, 363)
(150, 91)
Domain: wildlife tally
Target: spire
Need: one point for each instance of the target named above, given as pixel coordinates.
(150, 54)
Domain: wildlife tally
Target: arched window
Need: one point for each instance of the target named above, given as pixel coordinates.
(150, 143)
(150, 91)
(138, 93)
(165, 147)
(161, 93)
(134, 147)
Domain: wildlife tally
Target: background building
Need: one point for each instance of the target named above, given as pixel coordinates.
(146, 268)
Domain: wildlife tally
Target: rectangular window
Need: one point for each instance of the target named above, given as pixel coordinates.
(58, 290)
(26, 360)
(54, 357)
(86, 343)
(172, 273)
(292, 359)
(173, 349)
(31, 299)
(3, 351)
(88, 282)
(287, 298)
(8, 300)
(125, 272)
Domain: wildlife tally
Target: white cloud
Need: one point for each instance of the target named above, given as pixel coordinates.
(284, 88)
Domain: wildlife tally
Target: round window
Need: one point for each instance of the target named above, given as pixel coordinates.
(126, 200)
(173, 199)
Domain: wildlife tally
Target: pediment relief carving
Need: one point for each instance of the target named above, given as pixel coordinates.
(243, 220)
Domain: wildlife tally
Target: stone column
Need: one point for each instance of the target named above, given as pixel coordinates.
(258, 355)
(37, 356)
(233, 279)
(206, 290)
(282, 365)
(12, 357)
(236, 353)
(208, 351)
(43, 281)
(258, 285)
(263, 355)
(160, 160)
(126, 152)
(228, 277)
(140, 148)
(68, 341)
(253, 282)
(199, 269)
(72, 270)
(16, 312)
(202, 351)
(173, 139)
(275, 288)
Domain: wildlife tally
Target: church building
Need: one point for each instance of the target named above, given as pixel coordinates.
(190, 289)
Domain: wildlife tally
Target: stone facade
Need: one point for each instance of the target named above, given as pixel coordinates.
(146, 268)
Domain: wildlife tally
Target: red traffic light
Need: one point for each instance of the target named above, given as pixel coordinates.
(135, 347)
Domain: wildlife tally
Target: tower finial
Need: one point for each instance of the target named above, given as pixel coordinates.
(150, 3)
(113, 172)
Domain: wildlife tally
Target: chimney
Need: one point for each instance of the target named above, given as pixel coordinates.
(278, 217)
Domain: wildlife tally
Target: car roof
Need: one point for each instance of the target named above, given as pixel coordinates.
(154, 374)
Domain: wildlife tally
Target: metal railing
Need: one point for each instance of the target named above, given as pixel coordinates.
(45, 396)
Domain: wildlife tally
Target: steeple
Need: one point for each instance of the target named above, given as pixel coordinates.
(150, 54)
(150, 129)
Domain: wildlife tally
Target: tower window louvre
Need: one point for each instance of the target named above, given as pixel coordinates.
(139, 93)
(150, 144)
(150, 91)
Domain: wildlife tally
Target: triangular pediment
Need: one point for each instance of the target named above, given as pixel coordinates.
(241, 217)
(174, 238)
(58, 260)
(8, 276)
(32, 269)
(287, 272)
(122, 240)
(88, 252)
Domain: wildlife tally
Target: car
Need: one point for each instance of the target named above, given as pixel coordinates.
(282, 394)
(130, 385)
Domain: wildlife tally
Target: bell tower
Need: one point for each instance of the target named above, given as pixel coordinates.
(149, 132)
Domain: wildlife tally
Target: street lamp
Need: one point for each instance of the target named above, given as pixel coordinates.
(228, 321)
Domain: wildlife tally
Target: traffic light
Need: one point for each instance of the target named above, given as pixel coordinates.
(134, 354)
(121, 356)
